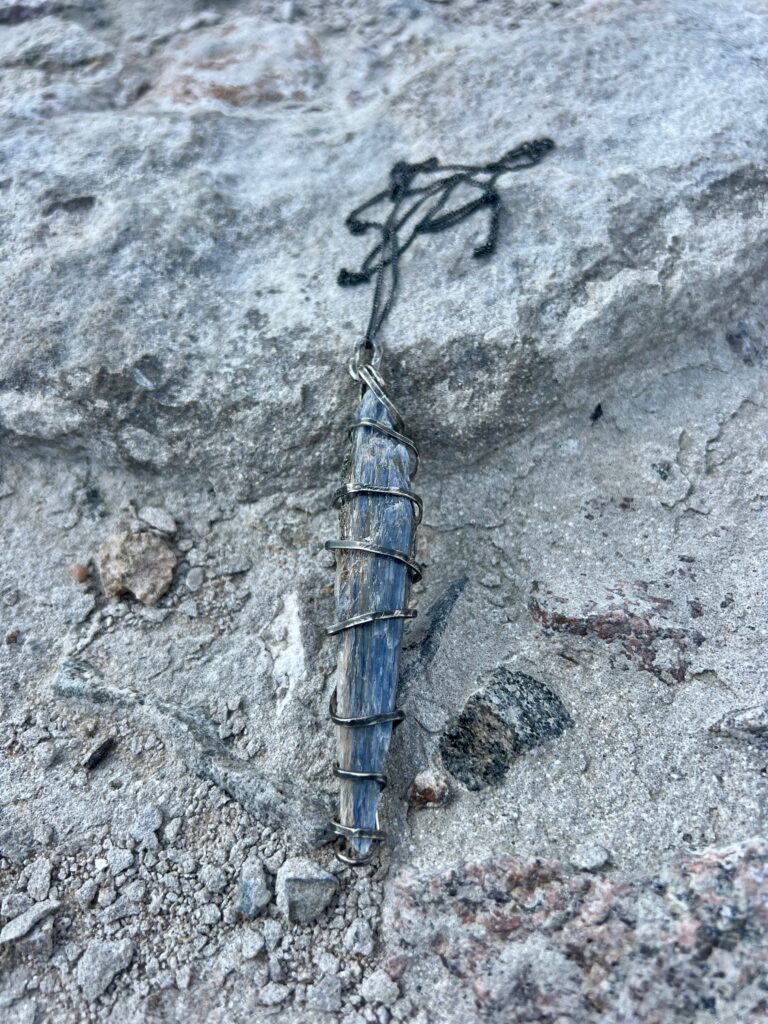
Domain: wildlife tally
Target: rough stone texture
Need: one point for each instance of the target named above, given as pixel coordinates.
(140, 564)
(303, 889)
(18, 927)
(254, 894)
(591, 411)
(99, 965)
(510, 714)
(529, 942)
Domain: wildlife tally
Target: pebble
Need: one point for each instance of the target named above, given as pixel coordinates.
(325, 996)
(97, 752)
(304, 890)
(213, 878)
(145, 826)
(86, 894)
(19, 926)
(39, 883)
(590, 857)
(78, 572)
(273, 994)
(15, 904)
(254, 894)
(183, 977)
(380, 988)
(101, 962)
(358, 939)
(141, 564)
(251, 944)
(195, 578)
(210, 914)
(119, 860)
(273, 933)
(158, 519)
(429, 789)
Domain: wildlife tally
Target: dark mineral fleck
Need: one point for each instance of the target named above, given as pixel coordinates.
(512, 713)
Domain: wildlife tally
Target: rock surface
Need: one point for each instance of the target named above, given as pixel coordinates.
(591, 411)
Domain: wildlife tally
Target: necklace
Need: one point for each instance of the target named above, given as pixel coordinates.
(379, 513)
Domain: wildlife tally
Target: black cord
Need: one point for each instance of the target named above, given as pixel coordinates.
(411, 208)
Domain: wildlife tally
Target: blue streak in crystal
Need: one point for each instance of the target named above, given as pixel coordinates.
(369, 656)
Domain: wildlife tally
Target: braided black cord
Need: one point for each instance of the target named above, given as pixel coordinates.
(409, 200)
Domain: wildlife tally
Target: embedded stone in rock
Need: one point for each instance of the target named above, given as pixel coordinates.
(511, 714)
(744, 724)
(141, 564)
(254, 892)
(429, 789)
(100, 963)
(304, 889)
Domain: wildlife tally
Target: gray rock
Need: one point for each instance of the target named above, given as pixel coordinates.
(19, 926)
(378, 987)
(15, 904)
(272, 930)
(141, 564)
(39, 882)
(119, 860)
(49, 43)
(210, 914)
(590, 857)
(86, 893)
(304, 889)
(214, 878)
(358, 939)
(325, 996)
(145, 827)
(251, 944)
(273, 994)
(253, 891)
(195, 579)
(38, 943)
(590, 404)
(101, 962)
(158, 519)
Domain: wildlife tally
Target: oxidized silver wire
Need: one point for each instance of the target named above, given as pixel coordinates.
(371, 379)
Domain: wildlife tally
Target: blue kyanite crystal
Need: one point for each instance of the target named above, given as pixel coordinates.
(368, 661)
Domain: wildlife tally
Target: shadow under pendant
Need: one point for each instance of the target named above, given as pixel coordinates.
(374, 570)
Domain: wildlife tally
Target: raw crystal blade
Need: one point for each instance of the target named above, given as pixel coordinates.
(370, 583)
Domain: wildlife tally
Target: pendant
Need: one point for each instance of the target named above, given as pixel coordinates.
(374, 570)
